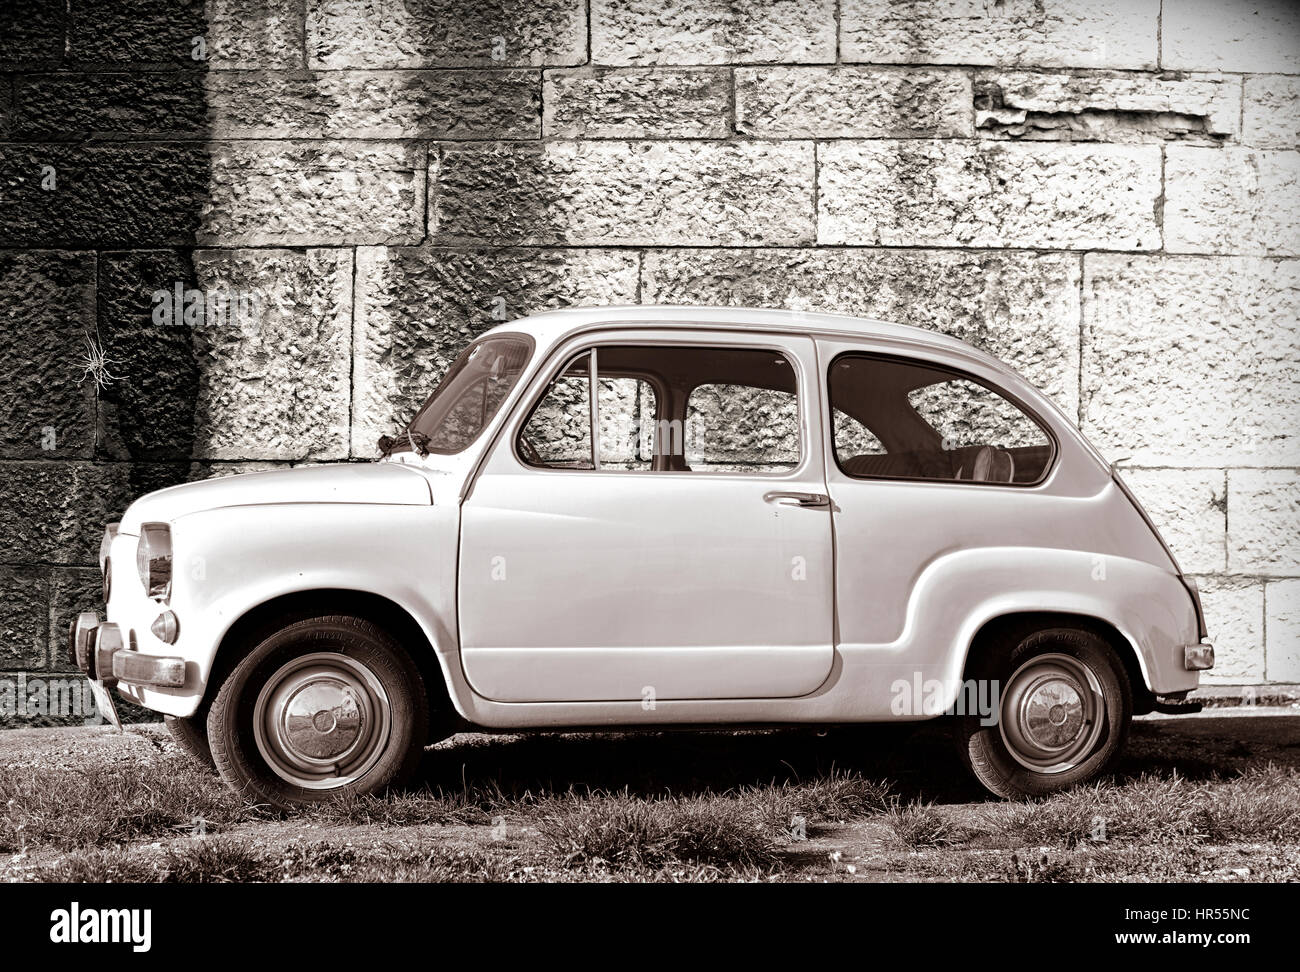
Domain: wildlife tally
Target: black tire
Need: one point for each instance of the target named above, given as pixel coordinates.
(191, 735)
(267, 746)
(1005, 757)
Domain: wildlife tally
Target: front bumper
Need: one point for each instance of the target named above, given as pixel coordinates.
(98, 649)
(1198, 658)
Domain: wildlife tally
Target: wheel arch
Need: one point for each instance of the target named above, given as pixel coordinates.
(1019, 624)
(261, 619)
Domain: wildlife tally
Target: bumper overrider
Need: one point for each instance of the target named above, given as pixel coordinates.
(98, 649)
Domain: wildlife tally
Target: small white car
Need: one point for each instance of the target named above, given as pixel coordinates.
(759, 517)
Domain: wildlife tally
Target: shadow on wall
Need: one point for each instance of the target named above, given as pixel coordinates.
(104, 174)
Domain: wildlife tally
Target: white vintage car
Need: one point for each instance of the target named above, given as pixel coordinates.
(759, 517)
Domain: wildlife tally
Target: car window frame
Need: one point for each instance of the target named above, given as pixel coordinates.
(957, 373)
(559, 360)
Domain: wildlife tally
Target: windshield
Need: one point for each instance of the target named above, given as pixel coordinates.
(469, 394)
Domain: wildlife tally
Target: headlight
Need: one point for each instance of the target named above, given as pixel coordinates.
(153, 559)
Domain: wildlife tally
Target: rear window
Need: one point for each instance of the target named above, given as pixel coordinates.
(903, 420)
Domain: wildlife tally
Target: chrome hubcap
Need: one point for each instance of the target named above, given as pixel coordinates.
(322, 721)
(1052, 713)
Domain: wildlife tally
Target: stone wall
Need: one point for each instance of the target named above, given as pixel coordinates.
(1103, 192)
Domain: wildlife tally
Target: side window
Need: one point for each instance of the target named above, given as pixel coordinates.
(668, 409)
(899, 420)
(740, 428)
(558, 432)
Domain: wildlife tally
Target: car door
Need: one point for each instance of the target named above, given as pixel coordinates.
(683, 552)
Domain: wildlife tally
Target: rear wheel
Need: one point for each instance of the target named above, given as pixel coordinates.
(322, 707)
(1063, 714)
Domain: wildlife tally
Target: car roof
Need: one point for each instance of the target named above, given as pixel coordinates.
(549, 327)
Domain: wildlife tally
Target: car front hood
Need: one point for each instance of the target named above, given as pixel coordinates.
(375, 483)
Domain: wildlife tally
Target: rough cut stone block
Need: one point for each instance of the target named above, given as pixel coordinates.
(24, 611)
(1021, 307)
(375, 104)
(72, 590)
(305, 193)
(248, 34)
(1191, 360)
(1282, 627)
(148, 406)
(1096, 108)
(55, 511)
(254, 364)
(1189, 507)
(1231, 35)
(1234, 618)
(851, 102)
(627, 193)
(445, 33)
(712, 32)
(916, 193)
(101, 195)
(114, 33)
(416, 309)
(31, 33)
(1264, 521)
(274, 384)
(637, 103)
(1232, 200)
(1037, 33)
(1271, 112)
(47, 313)
(160, 104)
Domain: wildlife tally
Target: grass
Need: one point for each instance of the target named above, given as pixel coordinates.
(1260, 804)
(919, 824)
(112, 804)
(681, 813)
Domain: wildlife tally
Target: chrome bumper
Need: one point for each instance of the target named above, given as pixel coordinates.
(96, 647)
(1198, 658)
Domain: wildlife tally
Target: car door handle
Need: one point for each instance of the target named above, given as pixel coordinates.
(808, 501)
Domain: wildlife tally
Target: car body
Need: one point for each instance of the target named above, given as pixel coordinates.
(711, 555)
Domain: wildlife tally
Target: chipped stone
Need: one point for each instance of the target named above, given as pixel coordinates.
(1122, 108)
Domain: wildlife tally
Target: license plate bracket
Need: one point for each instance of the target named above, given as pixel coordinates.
(105, 703)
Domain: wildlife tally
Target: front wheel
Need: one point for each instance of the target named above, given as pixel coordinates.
(322, 707)
(1064, 706)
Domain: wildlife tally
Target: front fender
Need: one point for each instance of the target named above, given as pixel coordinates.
(229, 561)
